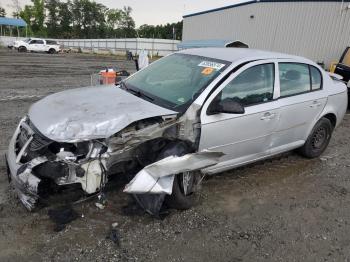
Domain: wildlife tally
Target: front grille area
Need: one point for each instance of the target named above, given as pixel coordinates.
(39, 141)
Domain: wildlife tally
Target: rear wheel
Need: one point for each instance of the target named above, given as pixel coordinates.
(22, 49)
(318, 140)
(52, 51)
(182, 196)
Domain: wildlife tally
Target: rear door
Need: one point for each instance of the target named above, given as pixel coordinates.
(40, 46)
(301, 101)
(343, 68)
(243, 137)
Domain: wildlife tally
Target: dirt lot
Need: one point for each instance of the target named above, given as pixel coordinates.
(284, 209)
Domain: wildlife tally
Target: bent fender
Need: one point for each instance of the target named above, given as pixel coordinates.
(158, 177)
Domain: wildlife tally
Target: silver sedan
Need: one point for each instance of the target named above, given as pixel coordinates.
(190, 114)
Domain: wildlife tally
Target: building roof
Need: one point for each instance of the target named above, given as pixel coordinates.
(205, 43)
(257, 1)
(240, 54)
(12, 21)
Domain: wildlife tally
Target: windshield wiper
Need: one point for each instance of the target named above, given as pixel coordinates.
(140, 94)
(135, 92)
(122, 85)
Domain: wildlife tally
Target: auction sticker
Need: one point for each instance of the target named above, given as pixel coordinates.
(209, 64)
(207, 71)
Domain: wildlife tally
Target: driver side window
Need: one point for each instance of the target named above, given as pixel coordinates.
(253, 86)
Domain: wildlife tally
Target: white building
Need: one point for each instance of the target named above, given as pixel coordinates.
(319, 30)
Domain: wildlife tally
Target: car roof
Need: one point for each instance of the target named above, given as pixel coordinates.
(240, 54)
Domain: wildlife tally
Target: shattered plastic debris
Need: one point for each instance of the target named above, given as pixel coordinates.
(100, 206)
(133, 209)
(113, 235)
(62, 216)
(151, 203)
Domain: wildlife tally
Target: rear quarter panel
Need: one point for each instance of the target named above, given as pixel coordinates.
(337, 101)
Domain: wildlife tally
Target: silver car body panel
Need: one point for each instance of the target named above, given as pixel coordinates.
(90, 113)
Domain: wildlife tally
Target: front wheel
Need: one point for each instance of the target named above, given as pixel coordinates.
(182, 197)
(22, 49)
(318, 140)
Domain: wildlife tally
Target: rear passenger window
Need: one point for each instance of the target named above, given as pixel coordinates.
(51, 42)
(316, 78)
(253, 86)
(294, 79)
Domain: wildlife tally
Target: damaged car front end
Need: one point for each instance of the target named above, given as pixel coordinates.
(83, 137)
(37, 165)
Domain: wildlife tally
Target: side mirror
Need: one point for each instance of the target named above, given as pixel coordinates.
(227, 106)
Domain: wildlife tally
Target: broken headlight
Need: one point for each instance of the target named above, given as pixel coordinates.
(70, 151)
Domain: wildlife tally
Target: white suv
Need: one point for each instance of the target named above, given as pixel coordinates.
(37, 45)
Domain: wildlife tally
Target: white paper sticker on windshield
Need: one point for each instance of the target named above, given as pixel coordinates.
(209, 64)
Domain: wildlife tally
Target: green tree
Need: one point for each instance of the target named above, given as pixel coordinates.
(65, 20)
(2, 12)
(88, 19)
(168, 31)
(34, 15)
(16, 6)
(53, 8)
(127, 23)
(113, 20)
(27, 14)
(39, 17)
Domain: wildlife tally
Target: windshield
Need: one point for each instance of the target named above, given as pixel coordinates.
(176, 80)
(27, 40)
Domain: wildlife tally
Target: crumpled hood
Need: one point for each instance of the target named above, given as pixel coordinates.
(90, 113)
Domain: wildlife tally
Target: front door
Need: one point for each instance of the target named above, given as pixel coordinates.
(242, 137)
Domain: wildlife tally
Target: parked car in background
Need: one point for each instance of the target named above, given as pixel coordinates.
(37, 45)
(193, 113)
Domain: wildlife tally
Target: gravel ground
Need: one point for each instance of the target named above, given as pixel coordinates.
(284, 209)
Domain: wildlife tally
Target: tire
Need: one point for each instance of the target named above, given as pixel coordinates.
(179, 199)
(22, 49)
(52, 51)
(318, 139)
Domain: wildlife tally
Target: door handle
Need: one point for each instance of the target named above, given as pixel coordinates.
(268, 116)
(315, 104)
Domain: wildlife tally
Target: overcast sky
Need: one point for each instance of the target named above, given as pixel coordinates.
(152, 11)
